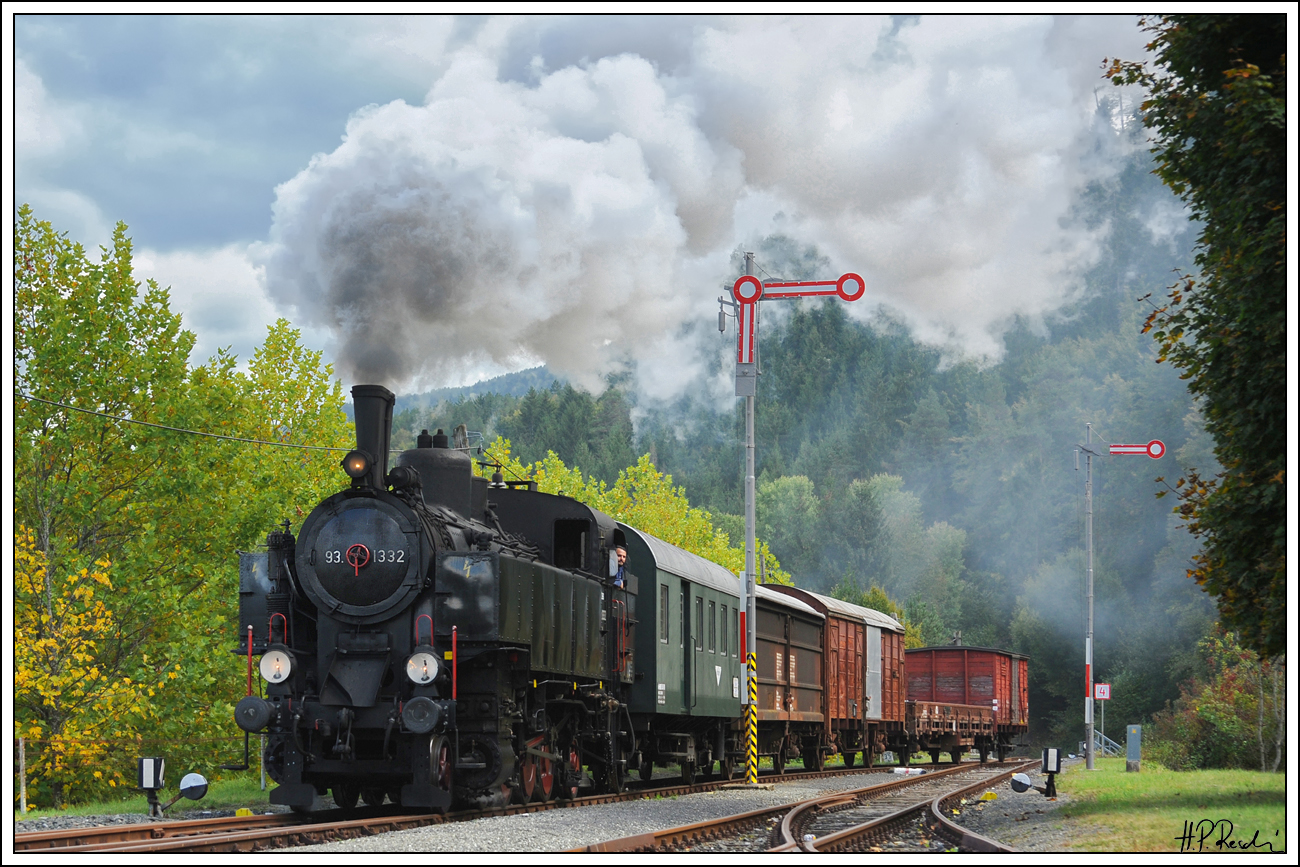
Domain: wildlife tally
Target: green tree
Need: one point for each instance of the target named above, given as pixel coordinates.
(1217, 107)
(788, 515)
(141, 649)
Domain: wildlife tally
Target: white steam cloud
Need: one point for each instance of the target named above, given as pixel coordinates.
(581, 208)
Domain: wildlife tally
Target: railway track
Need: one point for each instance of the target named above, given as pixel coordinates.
(903, 814)
(257, 833)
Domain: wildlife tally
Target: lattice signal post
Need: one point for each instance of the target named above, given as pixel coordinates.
(1154, 450)
(746, 293)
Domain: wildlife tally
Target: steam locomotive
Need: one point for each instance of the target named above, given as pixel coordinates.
(442, 640)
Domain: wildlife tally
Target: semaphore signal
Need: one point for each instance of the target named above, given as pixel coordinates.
(1153, 449)
(746, 293)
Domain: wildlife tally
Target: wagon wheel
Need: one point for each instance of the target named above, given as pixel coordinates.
(646, 770)
(688, 773)
(614, 778)
(545, 789)
(984, 754)
(1002, 752)
(372, 797)
(728, 768)
(849, 758)
(345, 795)
(778, 761)
(934, 756)
(813, 758)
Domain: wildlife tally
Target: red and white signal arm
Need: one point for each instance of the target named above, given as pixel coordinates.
(1153, 449)
(1101, 691)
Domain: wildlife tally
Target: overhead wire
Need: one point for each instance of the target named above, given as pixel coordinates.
(181, 429)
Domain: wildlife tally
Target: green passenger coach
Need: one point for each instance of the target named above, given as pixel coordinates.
(685, 697)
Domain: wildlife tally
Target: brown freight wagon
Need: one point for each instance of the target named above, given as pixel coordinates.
(865, 691)
(942, 680)
(788, 633)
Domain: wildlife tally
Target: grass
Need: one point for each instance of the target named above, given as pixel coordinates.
(230, 794)
(1148, 811)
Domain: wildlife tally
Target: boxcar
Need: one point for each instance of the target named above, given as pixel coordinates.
(943, 681)
(791, 719)
(865, 691)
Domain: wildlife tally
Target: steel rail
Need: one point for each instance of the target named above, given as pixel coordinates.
(85, 839)
(881, 828)
(253, 833)
(699, 832)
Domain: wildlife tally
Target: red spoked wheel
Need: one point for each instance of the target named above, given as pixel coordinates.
(575, 769)
(527, 779)
(545, 781)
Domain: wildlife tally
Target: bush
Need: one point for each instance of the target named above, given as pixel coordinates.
(1224, 719)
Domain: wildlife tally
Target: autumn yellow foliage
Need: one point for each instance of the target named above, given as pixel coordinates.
(70, 711)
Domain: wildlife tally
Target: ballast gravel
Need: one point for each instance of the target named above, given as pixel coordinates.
(1025, 821)
(1028, 822)
(570, 828)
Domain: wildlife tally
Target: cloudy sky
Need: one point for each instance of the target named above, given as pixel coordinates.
(435, 200)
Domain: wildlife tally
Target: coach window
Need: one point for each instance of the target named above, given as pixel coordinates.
(713, 626)
(699, 622)
(723, 648)
(663, 613)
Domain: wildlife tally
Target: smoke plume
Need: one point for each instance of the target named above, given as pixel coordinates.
(571, 191)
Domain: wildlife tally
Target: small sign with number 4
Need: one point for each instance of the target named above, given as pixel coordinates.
(1101, 691)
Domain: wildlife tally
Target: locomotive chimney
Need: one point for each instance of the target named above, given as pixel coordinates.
(373, 408)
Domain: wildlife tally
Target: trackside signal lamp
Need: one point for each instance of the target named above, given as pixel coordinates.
(356, 464)
(276, 664)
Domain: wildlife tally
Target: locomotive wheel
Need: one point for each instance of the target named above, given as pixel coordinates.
(545, 789)
(574, 770)
(527, 780)
(440, 763)
(345, 795)
(646, 770)
(849, 759)
(372, 797)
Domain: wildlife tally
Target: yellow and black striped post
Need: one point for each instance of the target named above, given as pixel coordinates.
(751, 722)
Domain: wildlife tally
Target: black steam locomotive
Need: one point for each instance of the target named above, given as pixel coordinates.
(439, 639)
